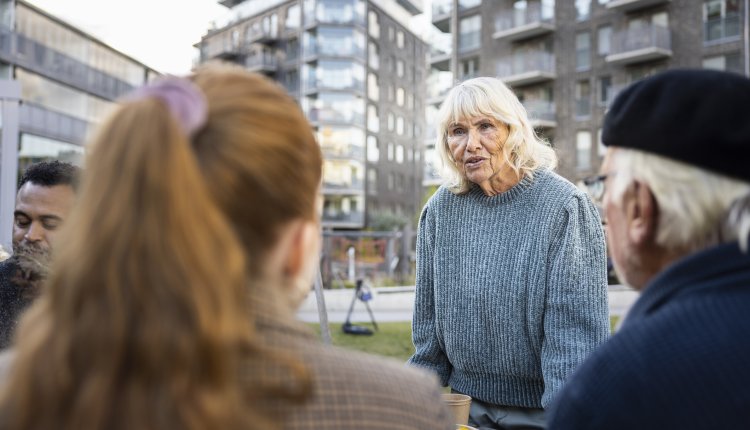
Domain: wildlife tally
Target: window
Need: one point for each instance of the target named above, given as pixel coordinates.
(469, 69)
(293, 18)
(583, 7)
(372, 181)
(583, 99)
(373, 89)
(373, 120)
(604, 40)
(601, 149)
(400, 68)
(605, 90)
(391, 122)
(469, 31)
(373, 151)
(400, 154)
(390, 151)
(729, 62)
(583, 51)
(400, 96)
(400, 39)
(721, 20)
(373, 56)
(373, 26)
(400, 126)
(583, 150)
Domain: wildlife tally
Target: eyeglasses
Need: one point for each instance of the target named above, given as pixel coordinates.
(595, 185)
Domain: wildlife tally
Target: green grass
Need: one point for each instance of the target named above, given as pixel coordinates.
(393, 339)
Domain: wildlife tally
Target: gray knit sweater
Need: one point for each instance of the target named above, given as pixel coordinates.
(511, 289)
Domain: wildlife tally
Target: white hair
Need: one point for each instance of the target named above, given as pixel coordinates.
(523, 151)
(697, 208)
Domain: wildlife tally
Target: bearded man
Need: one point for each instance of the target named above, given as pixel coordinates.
(45, 197)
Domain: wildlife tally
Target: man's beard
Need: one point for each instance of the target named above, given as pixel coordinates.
(32, 267)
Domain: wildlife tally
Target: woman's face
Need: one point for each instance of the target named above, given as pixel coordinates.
(476, 144)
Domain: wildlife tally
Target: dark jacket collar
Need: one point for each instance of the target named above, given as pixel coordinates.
(705, 269)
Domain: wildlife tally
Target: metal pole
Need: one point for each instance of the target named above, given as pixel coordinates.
(747, 39)
(325, 331)
(10, 94)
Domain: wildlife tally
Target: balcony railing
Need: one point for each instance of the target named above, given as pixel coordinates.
(354, 218)
(354, 184)
(641, 44)
(261, 62)
(632, 5)
(334, 50)
(527, 68)
(41, 121)
(524, 24)
(320, 84)
(32, 55)
(335, 115)
(328, 15)
(541, 112)
(469, 41)
(583, 108)
(343, 151)
(721, 29)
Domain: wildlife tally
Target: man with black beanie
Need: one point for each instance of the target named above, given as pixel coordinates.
(675, 188)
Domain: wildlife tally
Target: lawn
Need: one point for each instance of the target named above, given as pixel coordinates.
(391, 340)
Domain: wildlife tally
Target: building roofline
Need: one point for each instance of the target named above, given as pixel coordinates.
(75, 29)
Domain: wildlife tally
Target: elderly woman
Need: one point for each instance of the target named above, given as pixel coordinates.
(511, 268)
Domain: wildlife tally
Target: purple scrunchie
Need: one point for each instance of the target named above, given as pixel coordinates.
(183, 98)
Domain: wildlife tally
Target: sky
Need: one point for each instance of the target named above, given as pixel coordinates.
(158, 33)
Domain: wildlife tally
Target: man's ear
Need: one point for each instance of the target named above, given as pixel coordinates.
(642, 213)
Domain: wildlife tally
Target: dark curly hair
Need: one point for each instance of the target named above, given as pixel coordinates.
(51, 173)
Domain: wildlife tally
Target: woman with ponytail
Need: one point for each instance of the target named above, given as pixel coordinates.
(171, 300)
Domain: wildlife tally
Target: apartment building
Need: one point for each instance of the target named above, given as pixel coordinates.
(358, 73)
(567, 60)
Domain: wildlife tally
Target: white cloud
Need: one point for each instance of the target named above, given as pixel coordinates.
(159, 33)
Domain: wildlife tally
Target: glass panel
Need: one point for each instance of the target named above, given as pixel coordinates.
(604, 40)
(583, 150)
(469, 33)
(583, 51)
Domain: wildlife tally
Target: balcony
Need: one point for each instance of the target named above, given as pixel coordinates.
(441, 14)
(263, 62)
(515, 25)
(18, 49)
(636, 45)
(40, 121)
(470, 41)
(346, 15)
(541, 113)
(264, 36)
(331, 115)
(340, 219)
(313, 51)
(343, 152)
(721, 30)
(438, 86)
(352, 185)
(414, 7)
(441, 50)
(316, 85)
(633, 5)
(527, 68)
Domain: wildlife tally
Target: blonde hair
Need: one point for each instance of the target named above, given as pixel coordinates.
(697, 208)
(144, 323)
(523, 151)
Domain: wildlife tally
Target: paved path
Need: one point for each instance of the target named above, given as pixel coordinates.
(396, 304)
